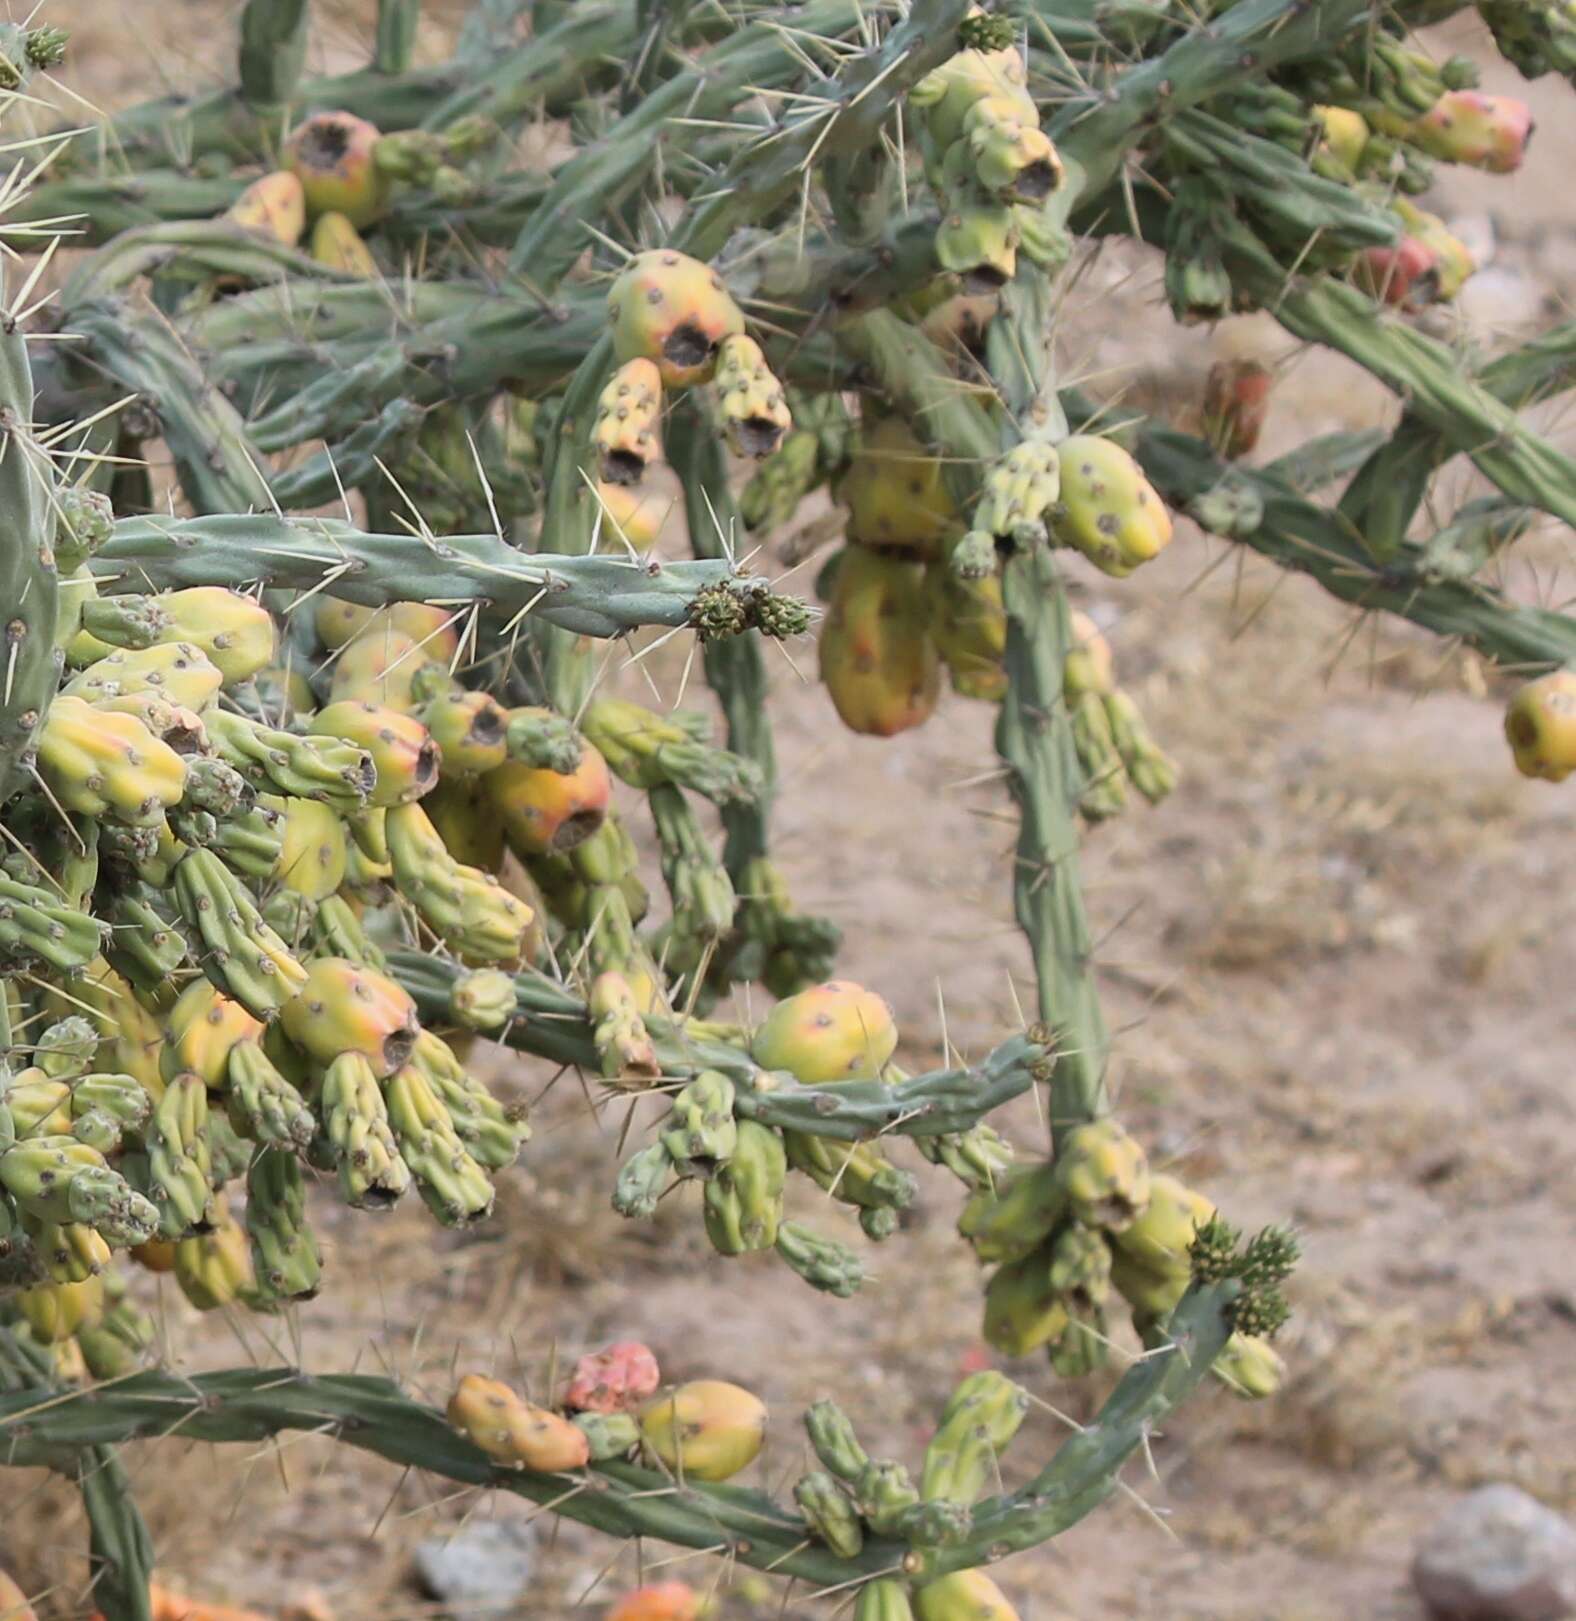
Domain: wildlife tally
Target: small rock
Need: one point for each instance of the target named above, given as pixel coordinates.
(1497, 1555)
(490, 1563)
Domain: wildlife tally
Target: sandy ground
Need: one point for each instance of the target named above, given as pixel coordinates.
(1339, 962)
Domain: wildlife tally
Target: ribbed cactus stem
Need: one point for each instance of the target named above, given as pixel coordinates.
(395, 42)
(29, 663)
(273, 49)
(1034, 739)
(570, 524)
(586, 596)
(1385, 495)
(735, 667)
(1301, 535)
(39, 1425)
(554, 1023)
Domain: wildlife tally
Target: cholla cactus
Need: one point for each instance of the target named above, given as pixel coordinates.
(295, 863)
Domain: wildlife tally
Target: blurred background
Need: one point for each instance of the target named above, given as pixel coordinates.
(1340, 961)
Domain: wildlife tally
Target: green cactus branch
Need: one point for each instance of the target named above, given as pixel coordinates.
(394, 43)
(735, 667)
(29, 599)
(590, 596)
(1386, 494)
(40, 1425)
(273, 49)
(1300, 535)
(552, 1022)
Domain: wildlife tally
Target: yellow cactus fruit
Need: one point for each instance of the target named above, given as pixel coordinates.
(675, 311)
(235, 631)
(511, 1431)
(751, 403)
(312, 847)
(347, 1008)
(201, 1029)
(838, 1031)
(402, 749)
(470, 731)
(1540, 726)
(877, 657)
(55, 1311)
(273, 207)
(630, 515)
(1250, 1366)
(1089, 666)
(969, 627)
(965, 1595)
(1345, 134)
(178, 672)
(467, 823)
(104, 764)
(895, 494)
(331, 154)
(1160, 1238)
(379, 666)
(707, 1430)
(628, 419)
(548, 812)
(214, 1268)
(1109, 510)
(339, 245)
(182, 728)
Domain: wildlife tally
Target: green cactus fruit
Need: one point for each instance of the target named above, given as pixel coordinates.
(751, 403)
(452, 1184)
(236, 632)
(483, 999)
(324, 768)
(1010, 1219)
(1007, 152)
(965, 1595)
(668, 308)
(1019, 490)
(856, 1173)
(337, 932)
(107, 765)
(465, 907)
(346, 1008)
(492, 1132)
(285, 1259)
(829, 1514)
(707, 1430)
(262, 1102)
(132, 620)
(877, 658)
(122, 1098)
(36, 927)
(823, 1263)
(622, 1041)
(648, 750)
(643, 1180)
(608, 1435)
(700, 1133)
(70, 1252)
(1103, 793)
(84, 521)
(940, 1523)
(978, 240)
(884, 1493)
(833, 1032)
(1083, 1347)
(180, 1160)
(981, 1417)
(883, 1600)
(1109, 510)
(117, 1344)
(543, 740)
(832, 1438)
(744, 1200)
(240, 952)
(978, 1157)
(781, 482)
(356, 1134)
(989, 65)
